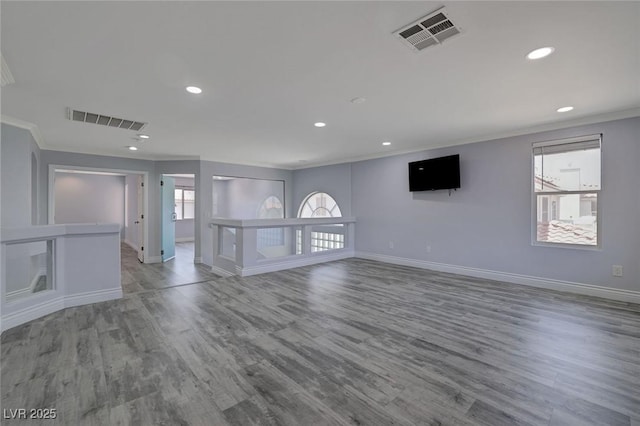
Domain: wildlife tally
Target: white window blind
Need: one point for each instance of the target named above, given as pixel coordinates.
(567, 165)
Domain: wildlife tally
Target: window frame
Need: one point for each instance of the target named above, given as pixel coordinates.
(320, 241)
(534, 196)
(182, 189)
(306, 199)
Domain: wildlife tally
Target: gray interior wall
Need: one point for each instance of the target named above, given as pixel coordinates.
(185, 230)
(208, 169)
(89, 198)
(220, 193)
(17, 146)
(335, 180)
(487, 223)
(242, 198)
(17, 209)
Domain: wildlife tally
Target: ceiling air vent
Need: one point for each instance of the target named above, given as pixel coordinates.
(430, 30)
(105, 120)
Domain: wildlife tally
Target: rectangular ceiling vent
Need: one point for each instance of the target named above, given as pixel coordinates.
(104, 120)
(428, 31)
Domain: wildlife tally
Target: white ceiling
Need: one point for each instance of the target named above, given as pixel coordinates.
(269, 70)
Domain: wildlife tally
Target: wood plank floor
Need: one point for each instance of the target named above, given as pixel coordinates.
(137, 277)
(352, 342)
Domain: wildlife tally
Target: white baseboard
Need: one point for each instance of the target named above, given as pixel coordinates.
(565, 286)
(294, 263)
(130, 244)
(153, 259)
(92, 297)
(185, 239)
(222, 272)
(57, 303)
(30, 313)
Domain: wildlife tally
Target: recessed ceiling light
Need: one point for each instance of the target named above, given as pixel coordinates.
(143, 136)
(358, 100)
(319, 124)
(565, 109)
(386, 143)
(132, 148)
(540, 53)
(193, 89)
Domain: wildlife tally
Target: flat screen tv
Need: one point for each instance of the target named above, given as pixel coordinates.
(435, 173)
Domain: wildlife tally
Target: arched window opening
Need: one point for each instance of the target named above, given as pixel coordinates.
(271, 208)
(323, 237)
(319, 204)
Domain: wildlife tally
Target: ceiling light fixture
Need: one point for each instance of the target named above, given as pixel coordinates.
(358, 100)
(565, 109)
(132, 148)
(386, 143)
(319, 124)
(143, 136)
(540, 53)
(193, 89)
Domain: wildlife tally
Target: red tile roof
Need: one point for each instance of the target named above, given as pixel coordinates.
(567, 233)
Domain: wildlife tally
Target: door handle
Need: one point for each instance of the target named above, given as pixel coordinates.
(136, 222)
(174, 217)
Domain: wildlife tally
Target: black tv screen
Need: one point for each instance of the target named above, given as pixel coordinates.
(435, 173)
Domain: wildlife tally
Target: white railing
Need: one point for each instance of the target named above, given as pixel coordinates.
(52, 267)
(254, 246)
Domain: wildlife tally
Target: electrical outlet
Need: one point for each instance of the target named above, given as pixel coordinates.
(391, 245)
(617, 270)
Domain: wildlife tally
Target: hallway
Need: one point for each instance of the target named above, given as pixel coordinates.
(138, 277)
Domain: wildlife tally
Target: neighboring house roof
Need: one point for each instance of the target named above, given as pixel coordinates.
(544, 183)
(567, 233)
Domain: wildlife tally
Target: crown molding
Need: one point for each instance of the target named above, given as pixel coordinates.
(558, 125)
(35, 132)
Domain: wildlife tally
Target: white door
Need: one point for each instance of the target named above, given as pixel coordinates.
(140, 219)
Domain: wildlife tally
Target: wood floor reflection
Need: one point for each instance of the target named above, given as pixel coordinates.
(180, 270)
(348, 342)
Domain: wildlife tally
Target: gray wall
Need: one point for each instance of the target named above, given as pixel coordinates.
(88, 198)
(335, 180)
(19, 193)
(487, 223)
(17, 147)
(242, 198)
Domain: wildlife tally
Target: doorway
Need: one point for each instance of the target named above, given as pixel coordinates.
(178, 197)
(96, 195)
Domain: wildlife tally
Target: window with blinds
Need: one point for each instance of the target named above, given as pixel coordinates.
(566, 188)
